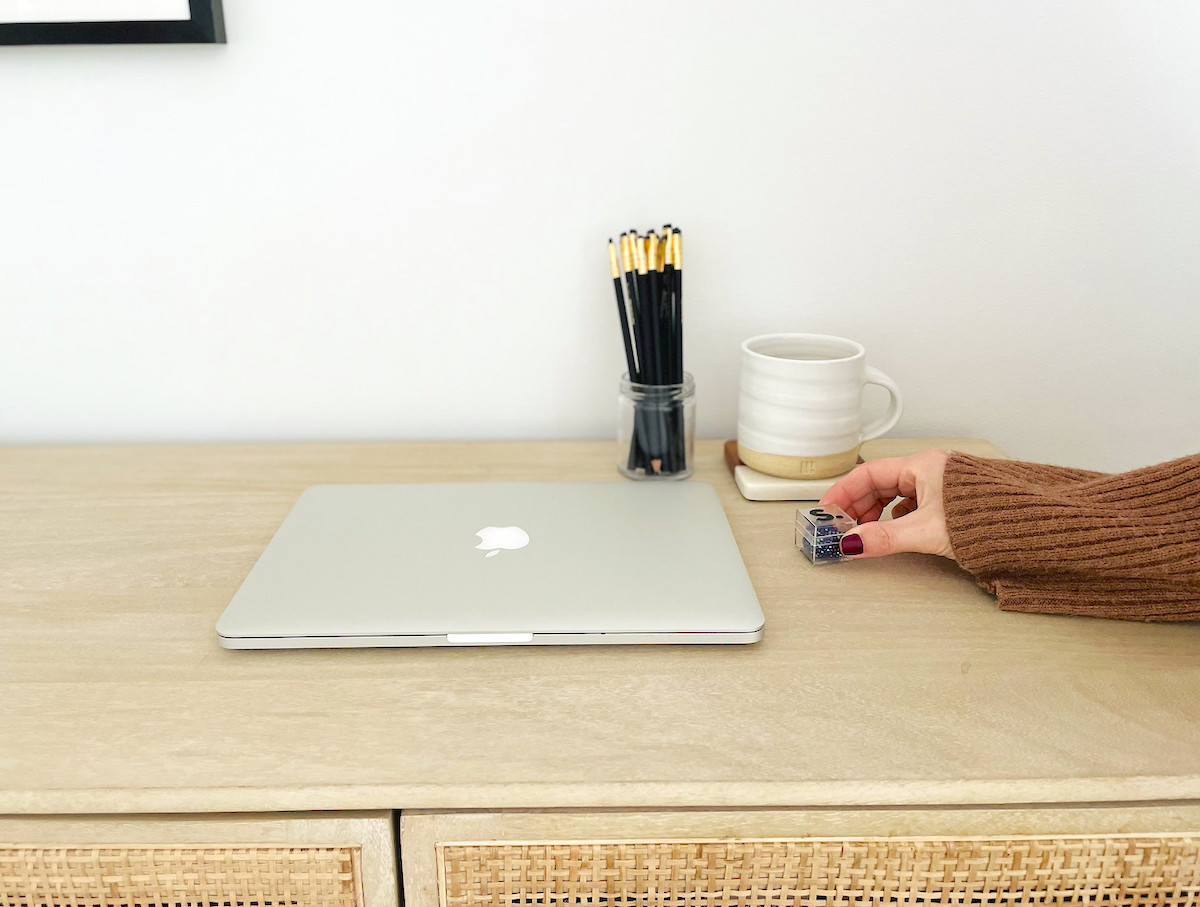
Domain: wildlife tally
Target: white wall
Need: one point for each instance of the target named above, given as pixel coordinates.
(384, 219)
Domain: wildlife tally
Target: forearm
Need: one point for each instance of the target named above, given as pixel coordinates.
(1025, 521)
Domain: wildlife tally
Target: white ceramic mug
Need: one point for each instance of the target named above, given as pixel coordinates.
(800, 405)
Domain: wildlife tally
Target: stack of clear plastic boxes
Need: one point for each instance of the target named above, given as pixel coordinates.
(819, 532)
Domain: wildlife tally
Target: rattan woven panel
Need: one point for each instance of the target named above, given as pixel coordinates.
(184, 876)
(1111, 870)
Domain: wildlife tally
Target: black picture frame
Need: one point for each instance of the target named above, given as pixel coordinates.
(206, 25)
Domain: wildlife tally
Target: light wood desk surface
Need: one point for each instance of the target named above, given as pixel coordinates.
(894, 681)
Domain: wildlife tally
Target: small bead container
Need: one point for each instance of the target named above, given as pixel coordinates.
(819, 532)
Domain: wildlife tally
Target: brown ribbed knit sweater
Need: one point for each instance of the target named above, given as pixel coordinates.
(1069, 541)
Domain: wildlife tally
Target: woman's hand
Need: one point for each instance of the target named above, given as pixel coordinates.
(918, 521)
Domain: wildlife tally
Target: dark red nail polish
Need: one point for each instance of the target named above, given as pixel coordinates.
(851, 545)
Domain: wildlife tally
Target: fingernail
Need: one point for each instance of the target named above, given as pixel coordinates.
(851, 545)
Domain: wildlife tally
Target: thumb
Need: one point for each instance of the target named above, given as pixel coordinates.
(917, 531)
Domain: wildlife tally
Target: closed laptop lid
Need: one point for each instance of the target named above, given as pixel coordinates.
(369, 561)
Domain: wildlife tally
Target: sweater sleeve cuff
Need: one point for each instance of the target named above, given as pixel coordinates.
(1028, 524)
(987, 503)
(1113, 599)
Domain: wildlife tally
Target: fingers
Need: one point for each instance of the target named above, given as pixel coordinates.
(918, 520)
(867, 489)
(918, 532)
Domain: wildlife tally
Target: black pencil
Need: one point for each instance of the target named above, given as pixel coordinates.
(666, 320)
(664, 410)
(630, 361)
(638, 458)
(669, 308)
(651, 368)
(654, 281)
(679, 434)
(628, 268)
(677, 289)
(642, 281)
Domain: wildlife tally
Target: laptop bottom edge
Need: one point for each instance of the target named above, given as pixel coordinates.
(489, 639)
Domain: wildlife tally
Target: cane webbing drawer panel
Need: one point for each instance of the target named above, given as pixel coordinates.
(1111, 870)
(187, 876)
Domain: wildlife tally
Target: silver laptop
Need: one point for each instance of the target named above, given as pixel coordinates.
(497, 564)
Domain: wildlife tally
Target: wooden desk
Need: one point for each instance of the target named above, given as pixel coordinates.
(887, 697)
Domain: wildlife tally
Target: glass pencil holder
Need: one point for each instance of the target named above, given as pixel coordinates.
(656, 429)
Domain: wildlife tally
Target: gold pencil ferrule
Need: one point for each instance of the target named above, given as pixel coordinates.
(612, 260)
(639, 253)
(652, 257)
(626, 253)
(677, 248)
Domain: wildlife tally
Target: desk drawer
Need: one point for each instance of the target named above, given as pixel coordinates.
(1113, 855)
(1112, 870)
(237, 876)
(248, 860)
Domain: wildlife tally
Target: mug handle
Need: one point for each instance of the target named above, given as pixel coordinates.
(888, 420)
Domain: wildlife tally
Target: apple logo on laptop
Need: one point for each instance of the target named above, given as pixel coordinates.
(495, 539)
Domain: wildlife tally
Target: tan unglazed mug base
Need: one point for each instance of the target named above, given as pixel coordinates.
(821, 467)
